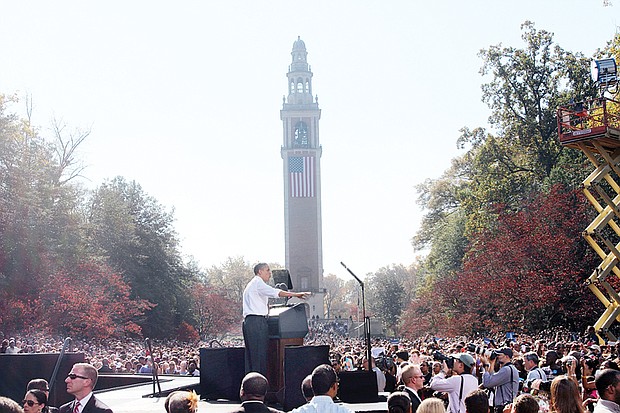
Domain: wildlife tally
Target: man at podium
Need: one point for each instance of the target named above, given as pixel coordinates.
(255, 310)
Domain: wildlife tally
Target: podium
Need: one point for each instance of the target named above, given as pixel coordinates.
(288, 325)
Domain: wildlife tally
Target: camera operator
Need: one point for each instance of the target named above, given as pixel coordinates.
(504, 382)
(534, 372)
(457, 381)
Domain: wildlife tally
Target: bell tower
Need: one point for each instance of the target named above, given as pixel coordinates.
(301, 153)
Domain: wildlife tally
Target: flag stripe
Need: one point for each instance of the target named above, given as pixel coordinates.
(301, 176)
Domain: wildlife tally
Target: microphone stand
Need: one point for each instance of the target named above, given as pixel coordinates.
(147, 343)
(366, 319)
(65, 346)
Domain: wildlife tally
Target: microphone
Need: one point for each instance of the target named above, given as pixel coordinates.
(283, 287)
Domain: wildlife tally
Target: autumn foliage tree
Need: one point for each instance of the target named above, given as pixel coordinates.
(526, 273)
(90, 300)
(215, 313)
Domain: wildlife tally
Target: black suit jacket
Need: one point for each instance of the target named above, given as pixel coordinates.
(94, 405)
(415, 400)
(255, 406)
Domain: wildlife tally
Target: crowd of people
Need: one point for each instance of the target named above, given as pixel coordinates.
(559, 371)
(553, 370)
(126, 356)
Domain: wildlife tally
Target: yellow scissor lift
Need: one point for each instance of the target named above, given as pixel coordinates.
(594, 128)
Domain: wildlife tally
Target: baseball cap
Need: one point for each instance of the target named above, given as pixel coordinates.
(465, 359)
(505, 350)
(403, 355)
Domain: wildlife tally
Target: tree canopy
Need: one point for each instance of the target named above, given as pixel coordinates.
(503, 223)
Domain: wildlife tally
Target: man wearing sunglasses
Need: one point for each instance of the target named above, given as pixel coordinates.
(80, 383)
(413, 379)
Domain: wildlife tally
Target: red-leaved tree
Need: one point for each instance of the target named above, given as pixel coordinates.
(526, 273)
(90, 300)
(216, 313)
(187, 333)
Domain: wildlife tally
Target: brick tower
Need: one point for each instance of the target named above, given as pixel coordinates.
(301, 153)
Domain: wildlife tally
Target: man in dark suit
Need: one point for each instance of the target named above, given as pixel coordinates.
(413, 379)
(254, 387)
(80, 383)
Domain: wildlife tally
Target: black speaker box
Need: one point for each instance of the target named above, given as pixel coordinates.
(358, 386)
(298, 363)
(16, 370)
(221, 372)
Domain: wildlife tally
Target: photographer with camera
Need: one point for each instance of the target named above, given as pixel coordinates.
(456, 379)
(505, 382)
(534, 372)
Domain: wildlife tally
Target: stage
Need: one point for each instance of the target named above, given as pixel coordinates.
(138, 398)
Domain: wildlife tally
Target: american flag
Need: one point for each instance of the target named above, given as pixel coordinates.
(301, 176)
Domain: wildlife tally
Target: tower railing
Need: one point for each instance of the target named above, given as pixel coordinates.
(594, 118)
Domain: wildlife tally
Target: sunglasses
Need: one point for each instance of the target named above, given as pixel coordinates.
(74, 376)
(30, 403)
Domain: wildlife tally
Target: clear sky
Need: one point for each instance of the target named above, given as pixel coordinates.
(184, 97)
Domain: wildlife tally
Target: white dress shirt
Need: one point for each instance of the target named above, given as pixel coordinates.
(256, 297)
(606, 406)
(321, 404)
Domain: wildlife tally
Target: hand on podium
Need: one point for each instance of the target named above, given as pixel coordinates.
(284, 292)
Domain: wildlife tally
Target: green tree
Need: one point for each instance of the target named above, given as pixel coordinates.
(500, 171)
(522, 157)
(334, 296)
(231, 276)
(40, 216)
(526, 88)
(136, 235)
(387, 297)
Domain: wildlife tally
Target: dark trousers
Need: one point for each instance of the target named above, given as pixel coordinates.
(256, 338)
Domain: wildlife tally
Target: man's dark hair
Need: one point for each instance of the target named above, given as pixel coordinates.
(38, 384)
(606, 378)
(254, 386)
(306, 387)
(531, 356)
(525, 403)
(323, 378)
(477, 402)
(259, 267)
(399, 402)
(551, 355)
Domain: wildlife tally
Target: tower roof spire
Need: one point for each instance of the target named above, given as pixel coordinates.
(299, 55)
